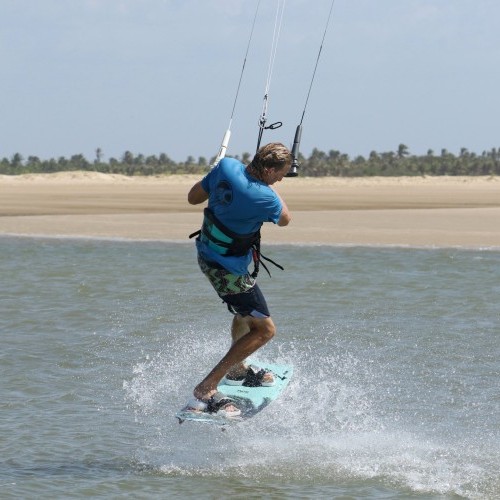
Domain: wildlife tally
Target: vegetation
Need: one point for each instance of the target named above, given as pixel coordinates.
(319, 163)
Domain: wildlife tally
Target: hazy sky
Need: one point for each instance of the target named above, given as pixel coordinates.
(154, 76)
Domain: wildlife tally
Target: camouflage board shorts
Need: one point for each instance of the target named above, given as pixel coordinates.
(241, 294)
(223, 281)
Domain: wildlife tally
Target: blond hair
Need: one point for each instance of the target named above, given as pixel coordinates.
(273, 155)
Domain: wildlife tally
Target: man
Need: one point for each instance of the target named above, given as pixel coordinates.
(240, 200)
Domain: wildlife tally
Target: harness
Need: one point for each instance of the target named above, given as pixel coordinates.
(226, 242)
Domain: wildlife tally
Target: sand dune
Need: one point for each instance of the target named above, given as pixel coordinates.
(423, 211)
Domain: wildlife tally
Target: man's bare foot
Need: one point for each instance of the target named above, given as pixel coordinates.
(214, 402)
(203, 395)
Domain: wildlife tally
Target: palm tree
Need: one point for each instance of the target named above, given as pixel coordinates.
(16, 161)
(403, 151)
(79, 162)
(128, 158)
(98, 155)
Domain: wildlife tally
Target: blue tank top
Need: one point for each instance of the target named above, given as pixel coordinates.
(242, 203)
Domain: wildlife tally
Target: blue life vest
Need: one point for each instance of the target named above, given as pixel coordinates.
(226, 242)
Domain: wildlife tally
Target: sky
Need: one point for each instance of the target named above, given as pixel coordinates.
(160, 76)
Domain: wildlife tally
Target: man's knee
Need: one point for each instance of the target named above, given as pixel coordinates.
(265, 329)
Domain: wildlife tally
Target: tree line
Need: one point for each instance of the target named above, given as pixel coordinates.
(319, 164)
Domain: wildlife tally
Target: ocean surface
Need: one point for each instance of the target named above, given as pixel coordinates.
(396, 391)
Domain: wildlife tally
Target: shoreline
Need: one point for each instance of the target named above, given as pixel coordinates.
(448, 212)
(376, 246)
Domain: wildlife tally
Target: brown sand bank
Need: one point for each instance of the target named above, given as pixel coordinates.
(442, 211)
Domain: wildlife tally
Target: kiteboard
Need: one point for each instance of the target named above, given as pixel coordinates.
(250, 400)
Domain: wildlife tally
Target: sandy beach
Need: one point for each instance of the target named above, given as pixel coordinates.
(423, 212)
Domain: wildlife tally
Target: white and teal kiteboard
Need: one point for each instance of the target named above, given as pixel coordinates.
(250, 400)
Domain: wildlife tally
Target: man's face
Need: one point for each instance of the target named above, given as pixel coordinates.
(273, 176)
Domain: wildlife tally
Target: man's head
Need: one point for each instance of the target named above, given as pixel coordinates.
(271, 163)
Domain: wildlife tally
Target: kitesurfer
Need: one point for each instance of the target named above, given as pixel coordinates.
(240, 199)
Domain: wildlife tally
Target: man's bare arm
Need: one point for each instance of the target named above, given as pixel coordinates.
(285, 216)
(197, 194)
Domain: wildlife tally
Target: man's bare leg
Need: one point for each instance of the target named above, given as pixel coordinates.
(259, 332)
(239, 328)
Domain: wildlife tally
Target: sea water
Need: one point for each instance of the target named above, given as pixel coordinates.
(396, 391)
